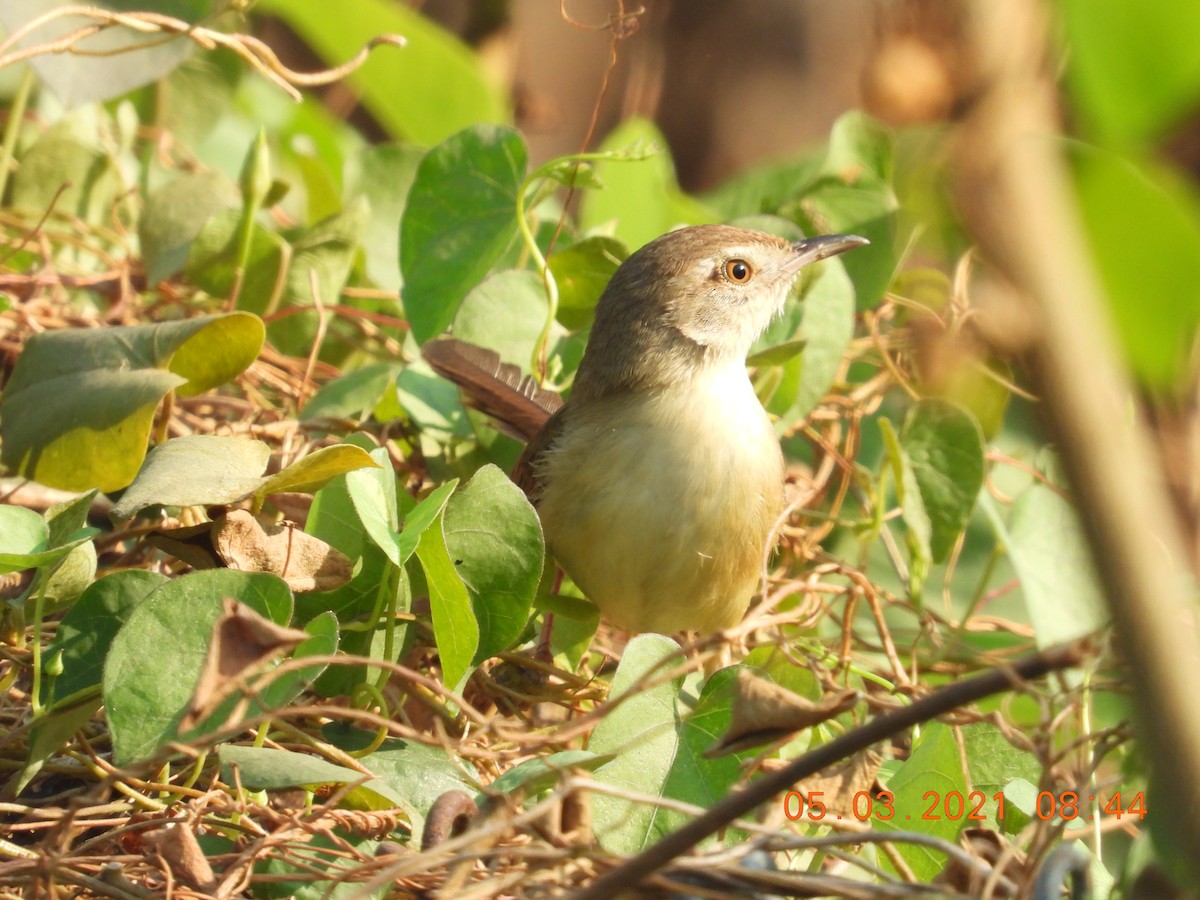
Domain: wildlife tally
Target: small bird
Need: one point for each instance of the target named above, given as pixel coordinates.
(659, 481)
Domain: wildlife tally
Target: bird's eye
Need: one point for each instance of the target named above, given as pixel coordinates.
(738, 271)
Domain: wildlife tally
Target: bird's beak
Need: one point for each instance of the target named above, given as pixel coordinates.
(813, 249)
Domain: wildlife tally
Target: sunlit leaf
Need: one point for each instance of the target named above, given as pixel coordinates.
(461, 215)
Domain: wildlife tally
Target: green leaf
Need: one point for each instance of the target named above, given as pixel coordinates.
(506, 314)
(25, 541)
(1134, 71)
(858, 146)
(384, 175)
(533, 776)
(196, 470)
(495, 539)
(419, 773)
(65, 519)
(432, 403)
(77, 411)
(763, 189)
(866, 208)
(352, 395)
(460, 217)
(582, 271)
(424, 91)
(174, 215)
(642, 198)
(852, 193)
(932, 771)
(649, 755)
(314, 471)
(191, 102)
(825, 333)
(212, 469)
(67, 170)
(147, 693)
(216, 253)
(993, 762)
(1047, 546)
(49, 734)
(267, 769)
(421, 517)
(777, 355)
(110, 63)
(86, 632)
(454, 625)
(943, 445)
(322, 641)
(1143, 223)
(67, 580)
(325, 253)
(919, 534)
(373, 495)
(334, 519)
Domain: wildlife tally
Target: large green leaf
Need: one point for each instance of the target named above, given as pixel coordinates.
(932, 771)
(495, 539)
(505, 313)
(582, 272)
(454, 625)
(66, 169)
(77, 411)
(938, 464)
(147, 693)
(1046, 543)
(110, 63)
(419, 773)
(425, 91)
(384, 175)
(1144, 226)
(174, 215)
(655, 751)
(26, 541)
(196, 470)
(461, 215)
(87, 630)
(943, 445)
(265, 769)
(215, 469)
(1133, 68)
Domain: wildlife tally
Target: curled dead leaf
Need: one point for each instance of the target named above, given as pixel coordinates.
(238, 540)
(242, 643)
(764, 712)
(177, 845)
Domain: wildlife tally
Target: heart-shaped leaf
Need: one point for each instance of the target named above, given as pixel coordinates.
(77, 412)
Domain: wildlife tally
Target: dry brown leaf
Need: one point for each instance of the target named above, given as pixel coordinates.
(303, 561)
(178, 847)
(839, 786)
(764, 712)
(242, 642)
(237, 540)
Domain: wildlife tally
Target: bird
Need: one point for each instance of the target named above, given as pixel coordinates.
(659, 481)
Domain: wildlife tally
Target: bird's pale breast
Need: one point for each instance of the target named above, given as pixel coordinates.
(660, 505)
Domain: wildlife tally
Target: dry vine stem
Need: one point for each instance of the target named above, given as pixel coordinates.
(256, 54)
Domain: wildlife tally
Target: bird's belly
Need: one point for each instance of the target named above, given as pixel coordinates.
(663, 521)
